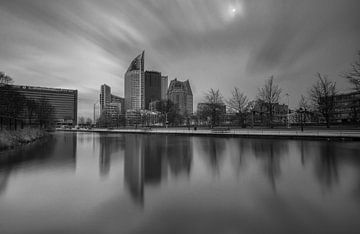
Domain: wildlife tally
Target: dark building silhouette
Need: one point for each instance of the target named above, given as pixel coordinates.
(64, 101)
(153, 82)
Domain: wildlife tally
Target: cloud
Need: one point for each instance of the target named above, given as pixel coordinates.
(83, 44)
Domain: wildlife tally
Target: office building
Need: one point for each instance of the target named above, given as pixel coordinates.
(164, 87)
(105, 96)
(180, 94)
(64, 101)
(152, 87)
(134, 84)
(118, 101)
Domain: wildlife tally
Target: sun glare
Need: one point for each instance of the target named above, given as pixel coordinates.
(236, 9)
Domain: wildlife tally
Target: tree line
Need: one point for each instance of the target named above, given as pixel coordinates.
(320, 100)
(15, 107)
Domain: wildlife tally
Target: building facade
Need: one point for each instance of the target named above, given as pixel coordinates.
(118, 101)
(179, 92)
(64, 101)
(105, 96)
(134, 84)
(347, 108)
(152, 87)
(164, 87)
(260, 113)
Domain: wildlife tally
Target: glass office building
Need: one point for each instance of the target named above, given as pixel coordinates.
(135, 85)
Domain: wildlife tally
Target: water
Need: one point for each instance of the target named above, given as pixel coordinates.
(114, 183)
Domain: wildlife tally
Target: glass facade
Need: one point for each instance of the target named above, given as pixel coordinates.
(134, 84)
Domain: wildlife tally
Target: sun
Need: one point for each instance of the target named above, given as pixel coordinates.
(236, 9)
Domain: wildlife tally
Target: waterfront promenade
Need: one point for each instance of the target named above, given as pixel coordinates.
(266, 133)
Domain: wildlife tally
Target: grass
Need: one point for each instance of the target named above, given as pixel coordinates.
(13, 138)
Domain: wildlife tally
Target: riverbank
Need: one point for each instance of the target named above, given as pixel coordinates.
(13, 138)
(323, 134)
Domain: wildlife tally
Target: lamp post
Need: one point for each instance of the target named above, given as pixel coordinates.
(288, 112)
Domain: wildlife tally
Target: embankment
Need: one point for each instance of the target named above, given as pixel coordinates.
(13, 138)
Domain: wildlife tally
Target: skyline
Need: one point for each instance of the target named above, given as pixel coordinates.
(215, 44)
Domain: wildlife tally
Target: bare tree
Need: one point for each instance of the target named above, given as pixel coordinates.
(270, 94)
(88, 121)
(81, 120)
(303, 103)
(353, 75)
(31, 108)
(5, 79)
(45, 112)
(170, 113)
(322, 95)
(238, 103)
(214, 106)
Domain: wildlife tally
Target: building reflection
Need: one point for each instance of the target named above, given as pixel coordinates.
(108, 145)
(53, 152)
(104, 156)
(149, 159)
(134, 167)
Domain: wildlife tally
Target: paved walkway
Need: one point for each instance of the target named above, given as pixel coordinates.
(284, 133)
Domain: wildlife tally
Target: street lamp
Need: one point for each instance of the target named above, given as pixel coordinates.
(288, 111)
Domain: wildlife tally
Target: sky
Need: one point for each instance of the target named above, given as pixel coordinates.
(219, 44)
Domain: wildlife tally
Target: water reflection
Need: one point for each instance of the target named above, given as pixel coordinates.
(326, 166)
(212, 149)
(163, 184)
(55, 152)
(148, 160)
(270, 152)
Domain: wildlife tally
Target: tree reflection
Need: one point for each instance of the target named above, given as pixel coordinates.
(178, 152)
(270, 152)
(54, 151)
(213, 149)
(326, 167)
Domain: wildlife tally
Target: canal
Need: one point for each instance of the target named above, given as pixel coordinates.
(128, 183)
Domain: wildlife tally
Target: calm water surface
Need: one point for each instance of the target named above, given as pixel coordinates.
(114, 183)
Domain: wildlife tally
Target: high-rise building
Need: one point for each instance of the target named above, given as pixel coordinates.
(164, 87)
(180, 94)
(152, 87)
(105, 96)
(134, 84)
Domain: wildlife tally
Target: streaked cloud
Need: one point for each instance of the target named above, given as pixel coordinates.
(84, 43)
